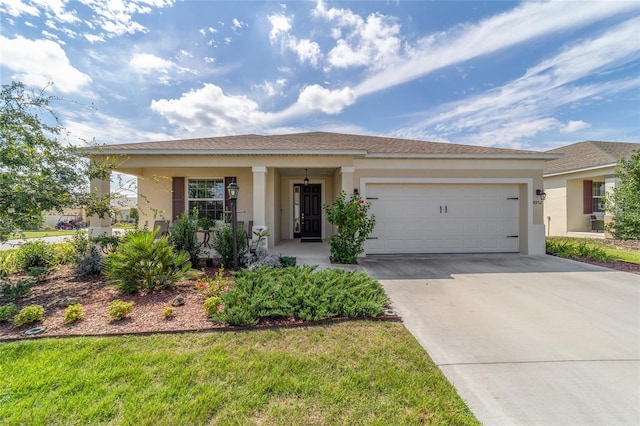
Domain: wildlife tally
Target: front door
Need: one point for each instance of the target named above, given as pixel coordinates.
(309, 207)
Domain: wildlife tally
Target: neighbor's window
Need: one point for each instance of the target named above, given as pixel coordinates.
(207, 195)
(597, 196)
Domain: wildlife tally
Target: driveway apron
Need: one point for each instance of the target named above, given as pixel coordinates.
(526, 340)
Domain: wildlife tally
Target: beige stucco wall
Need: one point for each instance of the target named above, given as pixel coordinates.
(564, 203)
(338, 172)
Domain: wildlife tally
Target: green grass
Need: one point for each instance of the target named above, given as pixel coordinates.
(358, 373)
(42, 234)
(568, 247)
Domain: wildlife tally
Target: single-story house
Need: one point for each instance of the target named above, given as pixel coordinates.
(427, 197)
(576, 185)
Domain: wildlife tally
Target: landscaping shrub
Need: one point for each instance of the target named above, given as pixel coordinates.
(40, 273)
(8, 262)
(7, 311)
(29, 314)
(222, 243)
(353, 226)
(571, 249)
(10, 291)
(64, 253)
(184, 236)
(73, 313)
(89, 263)
(168, 312)
(88, 260)
(214, 286)
(142, 262)
(36, 253)
(212, 305)
(300, 293)
(119, 309)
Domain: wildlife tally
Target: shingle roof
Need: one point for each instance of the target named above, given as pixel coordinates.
(583, 155)
(306, 142)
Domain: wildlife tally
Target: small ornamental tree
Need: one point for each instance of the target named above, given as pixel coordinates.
(353, 226)
(624, 201)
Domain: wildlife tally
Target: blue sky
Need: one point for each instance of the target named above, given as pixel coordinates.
(526, 75)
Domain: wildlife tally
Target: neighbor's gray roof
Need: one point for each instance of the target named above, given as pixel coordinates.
(588, 154)
(314, 143)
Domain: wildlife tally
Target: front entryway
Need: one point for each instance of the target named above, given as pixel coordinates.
(307, 211)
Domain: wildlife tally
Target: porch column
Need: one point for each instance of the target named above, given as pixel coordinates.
(610, 182)
(347, 179)
(259, 199)
(97, 225)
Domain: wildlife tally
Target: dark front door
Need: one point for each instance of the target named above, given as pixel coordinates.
(310, 211)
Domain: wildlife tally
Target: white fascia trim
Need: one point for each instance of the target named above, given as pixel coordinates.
(225, 152)
(586, 169)
(519, 181)
(540, 156)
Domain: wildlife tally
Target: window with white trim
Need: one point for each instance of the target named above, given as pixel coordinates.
(597, 196)
(206, 195)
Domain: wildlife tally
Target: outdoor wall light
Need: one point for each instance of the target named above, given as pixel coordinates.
(306, 178)
(540, 193)
(233, 190)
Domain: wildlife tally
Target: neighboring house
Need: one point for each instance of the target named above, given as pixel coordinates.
(123, 205)
(427, 197)
(576, 186)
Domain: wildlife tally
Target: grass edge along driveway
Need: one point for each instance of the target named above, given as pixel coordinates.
(351, 373)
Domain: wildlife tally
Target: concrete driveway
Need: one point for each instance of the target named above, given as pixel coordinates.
(524, 339)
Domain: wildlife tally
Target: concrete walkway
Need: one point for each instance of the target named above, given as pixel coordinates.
(525, 340)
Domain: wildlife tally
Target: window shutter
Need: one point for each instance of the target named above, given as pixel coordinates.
(587, 205)
(178, 199)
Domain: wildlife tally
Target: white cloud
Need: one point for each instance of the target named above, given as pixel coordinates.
(92, 38)
(208, 111)
(26, 58)
(316, 97)
(575, 126)
(271, 89)
(524, 107)
(305, 49)
(148, 64)
(531, 19)
(18, 8)
(236, 24)
(280, 25)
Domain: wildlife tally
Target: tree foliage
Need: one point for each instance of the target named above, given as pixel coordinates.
(624, 201)
(39, 173)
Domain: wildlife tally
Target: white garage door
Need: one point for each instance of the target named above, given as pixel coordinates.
(443, 218)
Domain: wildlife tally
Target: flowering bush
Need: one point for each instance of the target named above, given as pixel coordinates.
(353, 226)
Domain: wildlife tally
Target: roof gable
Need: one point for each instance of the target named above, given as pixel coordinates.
(589, 154)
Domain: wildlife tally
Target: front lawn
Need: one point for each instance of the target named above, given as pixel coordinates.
(42, 234)
(350, 373)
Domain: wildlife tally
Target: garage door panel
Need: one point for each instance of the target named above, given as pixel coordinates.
(443, 218)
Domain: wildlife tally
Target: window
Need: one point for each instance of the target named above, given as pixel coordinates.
(597, 197)
(206, 195)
